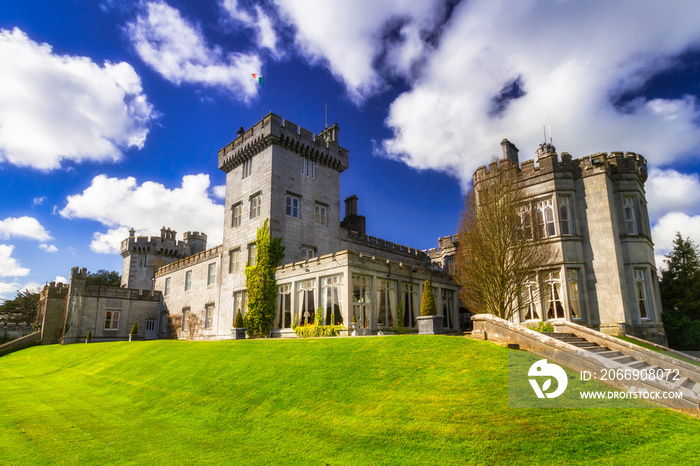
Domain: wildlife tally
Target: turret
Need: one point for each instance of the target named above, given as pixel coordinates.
(196, 241)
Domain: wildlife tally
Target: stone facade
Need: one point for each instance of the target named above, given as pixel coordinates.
(593, 210)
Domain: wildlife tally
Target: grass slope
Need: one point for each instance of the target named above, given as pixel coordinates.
(390, 400)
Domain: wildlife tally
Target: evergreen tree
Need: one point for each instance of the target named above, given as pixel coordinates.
(427, 302)
(261, 283)
(103, 278)
(680, 295)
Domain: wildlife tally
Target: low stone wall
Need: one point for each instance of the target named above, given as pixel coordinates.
(20, 343)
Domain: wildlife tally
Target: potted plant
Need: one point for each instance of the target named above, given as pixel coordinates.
(428, 322)
(88, 339)
(353, 325)
(238, 332)
(134, 333)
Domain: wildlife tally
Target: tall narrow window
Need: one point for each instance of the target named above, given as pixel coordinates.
(185, 318)
(306, 306)
(641, 290)
(293, 206)
(574, 299)
(552, 295)
(411, 304)
(208, 316)
(247, 168)
(545, 219)
(255, 202)
(211, 273)
(448, 307)
(529, 294)
(361, 299)
(386, 302)
(284, 306)
(308, 168)
(233, 256)
(236, 210)
(332, 299)
(525, 225)
(252, 255)
(166, 291)
(566, 222)
(321, 215)
(188, 280)
(630, 216)
(239, 303)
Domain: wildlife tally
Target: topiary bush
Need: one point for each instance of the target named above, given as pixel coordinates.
(238, 321)
(88, 339)
(318, 319)
(427, 302)
(135, 328)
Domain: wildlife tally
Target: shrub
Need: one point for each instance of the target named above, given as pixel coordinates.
(135, 328)
(318, 318)
(306, 331)
(88, 339)
(400, 328)
(238, 321)
(427, 302)
(542, 327)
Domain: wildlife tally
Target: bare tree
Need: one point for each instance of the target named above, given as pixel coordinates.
(499, 250)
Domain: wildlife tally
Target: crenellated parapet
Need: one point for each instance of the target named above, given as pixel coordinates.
(189, 261)
(54, 290)
(551, 164)
(380, 244)
(273, 130)
(165, 245)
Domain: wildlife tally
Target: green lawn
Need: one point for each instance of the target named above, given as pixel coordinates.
(654, 348)
(384, 400)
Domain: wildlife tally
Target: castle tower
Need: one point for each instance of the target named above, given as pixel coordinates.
(143, 255)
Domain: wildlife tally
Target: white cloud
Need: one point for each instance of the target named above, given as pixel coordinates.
(665, 230)
(48, 247)
(23, 227)
(672, 191)
(38, 200)
(121, 204)
(177, 50)
(10, 265)
(571, 60)
(9, 290)
(257, 20)
(219, 191)
(59, 107)
(60, 279)
(352, 37)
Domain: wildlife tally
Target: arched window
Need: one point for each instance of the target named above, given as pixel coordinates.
(112, 320)
(630, 216)
(641, 291)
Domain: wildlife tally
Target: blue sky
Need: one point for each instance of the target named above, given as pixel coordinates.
(112, 113)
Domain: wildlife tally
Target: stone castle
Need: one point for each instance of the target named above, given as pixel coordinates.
(592, 208)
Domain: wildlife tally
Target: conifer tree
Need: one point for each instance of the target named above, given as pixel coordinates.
(427, 302)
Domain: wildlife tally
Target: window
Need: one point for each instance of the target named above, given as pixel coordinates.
(293, 206)
(386, 302)
(574, 300)
(186, 314)
(305, 302)
(112, 320)
(188, 280)
(321, 215)
(208, 316)
(525, 226)
(247, 168)
(308, 168)
(166, 291)
(308, 252)
(332, 299)
(641, 291)
(528, 300)
(211, 273)
(237, 209)
(255, 205)
(239, 303)
(630, 216)
(233, 256)
(545, 218)
(566, 221)
(284, 307)
(411, 304)
(448, 307)
(252, 255)
(361, 299)
(552, 295)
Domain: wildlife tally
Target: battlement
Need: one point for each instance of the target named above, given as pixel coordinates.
(166, 245)
(381, 245)
(273, 130)
(77, 274)
(190, 261)
(549, 163)
(54, 290)
(194, 235)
